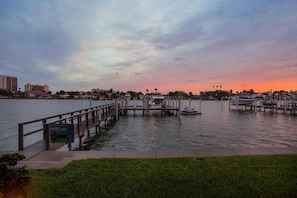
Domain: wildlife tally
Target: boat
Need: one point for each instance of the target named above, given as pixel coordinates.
(128, 96)
(189, 111)
(156, 100)
(241, 100)
(269, 103)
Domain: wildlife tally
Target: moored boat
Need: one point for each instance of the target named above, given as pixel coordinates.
(189, 111)
(269, 102)
(156, 100)
(241, 100)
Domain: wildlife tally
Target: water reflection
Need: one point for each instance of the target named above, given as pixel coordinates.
(217, 127)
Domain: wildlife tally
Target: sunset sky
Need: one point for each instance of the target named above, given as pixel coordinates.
(134, 45)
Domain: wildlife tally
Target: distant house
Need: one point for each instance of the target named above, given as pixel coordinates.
(45, 96)
(34, 93)
(65, 96)
(3, 97)
(87, 96)
(77, 96)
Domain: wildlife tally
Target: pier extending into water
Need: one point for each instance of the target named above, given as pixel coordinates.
(81, 121)
(53, 132)
(170, 107)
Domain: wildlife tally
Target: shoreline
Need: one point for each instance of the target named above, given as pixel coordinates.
(57, 159)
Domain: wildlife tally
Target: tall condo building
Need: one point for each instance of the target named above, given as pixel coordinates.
(9, 83)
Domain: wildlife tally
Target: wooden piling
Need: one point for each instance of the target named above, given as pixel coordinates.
(21, 137)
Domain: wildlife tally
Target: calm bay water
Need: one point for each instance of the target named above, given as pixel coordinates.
(14, 111)
(217, 127)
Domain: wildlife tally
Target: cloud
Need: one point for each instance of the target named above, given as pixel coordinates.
(160, 47)
(191, 80)
(179, 58)
(33, 41)
(293, 65)
(73, 43)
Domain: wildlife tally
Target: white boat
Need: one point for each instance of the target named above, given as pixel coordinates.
(156, 100)
(241, 100)
(189, 111)
(128, 96)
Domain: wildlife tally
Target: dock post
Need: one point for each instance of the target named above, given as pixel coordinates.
(60, 117)
(105, 116)
(222, 103)
(123, 107)
(71, 118)
(78, 130)
(93, 117)
(87, 122)
(70, 146)
(21, 137)
(293, 106)
(44, 133)
(78, 123)
(97, 126)
(178, 109)
(285, 106)
(81, 141)
(117, 109)
(48, 137)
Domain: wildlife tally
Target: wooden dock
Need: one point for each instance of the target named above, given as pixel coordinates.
(282, 106)
(166, 110)
(82, 121)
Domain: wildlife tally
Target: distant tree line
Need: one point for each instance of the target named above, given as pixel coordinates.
(111, 94)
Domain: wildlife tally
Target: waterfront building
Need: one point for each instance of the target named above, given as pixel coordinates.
(9, 83)
(29, 87)
(37, 94)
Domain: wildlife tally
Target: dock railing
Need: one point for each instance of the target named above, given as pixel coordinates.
(83, 120)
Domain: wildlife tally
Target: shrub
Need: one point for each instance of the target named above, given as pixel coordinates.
(12, 179)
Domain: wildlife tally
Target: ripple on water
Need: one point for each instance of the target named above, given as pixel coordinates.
(215, 128)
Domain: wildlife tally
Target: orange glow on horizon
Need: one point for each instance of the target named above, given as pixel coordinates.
(288, 84)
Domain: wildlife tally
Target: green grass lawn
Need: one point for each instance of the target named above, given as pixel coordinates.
(239, 176)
